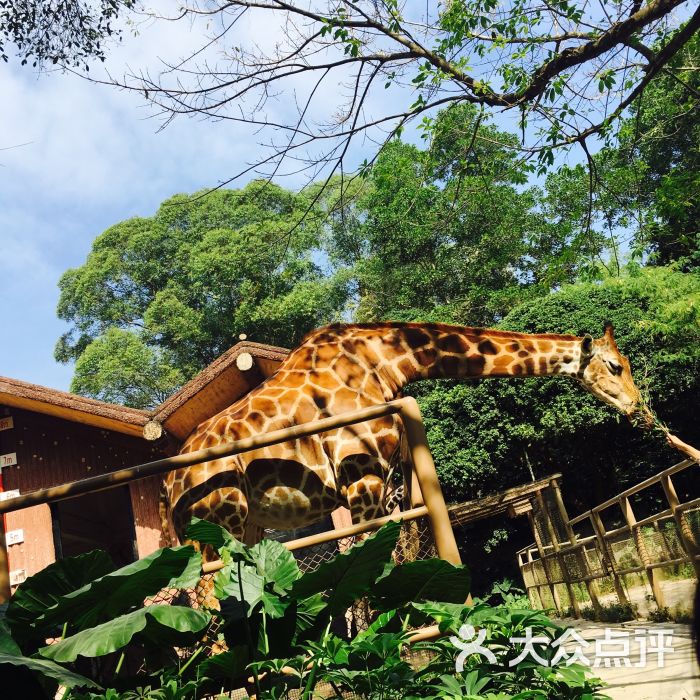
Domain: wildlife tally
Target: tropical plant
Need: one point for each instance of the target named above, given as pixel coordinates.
(275, 624)
(160, 297)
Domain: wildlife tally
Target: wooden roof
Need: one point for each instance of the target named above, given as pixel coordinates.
(515, 500)
(223, 382)
(72, 407)
(217, 386)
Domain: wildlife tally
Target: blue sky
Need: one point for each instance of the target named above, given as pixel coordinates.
(76, 158)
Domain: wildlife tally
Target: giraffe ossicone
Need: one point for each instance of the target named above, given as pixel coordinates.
(342, 368)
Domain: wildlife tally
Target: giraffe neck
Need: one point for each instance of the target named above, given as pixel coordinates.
(404, 353)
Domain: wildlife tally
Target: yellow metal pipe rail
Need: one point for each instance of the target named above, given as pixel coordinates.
(102, 482)
(407, 408)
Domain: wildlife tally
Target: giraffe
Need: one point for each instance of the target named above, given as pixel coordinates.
(345, 367)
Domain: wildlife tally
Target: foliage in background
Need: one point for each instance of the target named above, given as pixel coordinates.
(646, 182)
(160, 298)
(488, 435)
(450, 232)
(275, 624)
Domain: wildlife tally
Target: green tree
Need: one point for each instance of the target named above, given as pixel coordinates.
(67, 32)
(642, 191)
(492, 434)
(450, 232)
(159, 298)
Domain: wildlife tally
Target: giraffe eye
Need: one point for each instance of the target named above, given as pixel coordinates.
(614, 366)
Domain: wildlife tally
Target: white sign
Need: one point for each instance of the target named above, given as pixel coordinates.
(14, 537)
(17, 576)
(8, 460)
(6, 495)
(7, 423)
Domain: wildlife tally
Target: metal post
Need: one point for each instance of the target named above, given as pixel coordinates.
(644, 557)
(424, 468)
(685, 534)
(591, 586)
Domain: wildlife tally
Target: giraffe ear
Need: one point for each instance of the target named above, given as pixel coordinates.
(587, 345)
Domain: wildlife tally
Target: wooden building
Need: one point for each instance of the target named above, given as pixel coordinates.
(49, 437)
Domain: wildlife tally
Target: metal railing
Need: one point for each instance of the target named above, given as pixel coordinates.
(560, 558)
(427, 500)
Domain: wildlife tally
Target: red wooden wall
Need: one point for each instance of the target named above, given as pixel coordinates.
(52, 451)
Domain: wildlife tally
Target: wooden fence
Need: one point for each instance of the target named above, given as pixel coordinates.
(428, 521)
(578, 561)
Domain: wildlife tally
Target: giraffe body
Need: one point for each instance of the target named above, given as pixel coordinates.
(343, 368)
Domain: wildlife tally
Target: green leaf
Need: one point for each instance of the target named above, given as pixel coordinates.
(229, 664)
(124, 588)
(159, 624)
(7, 644)
(416, 581)
(205, 532)
(45, 589)
(276, 564)
(47, 669)
(241, 582)
(308, 612)
(442, 613)
(350, 575)
(273, 605)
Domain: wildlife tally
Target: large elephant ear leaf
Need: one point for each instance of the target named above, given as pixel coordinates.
(10, 663)
(350, 575)
(417, 581)
(276, 564)
(43, 590)
(161, 625)
(121, 590)
(219, 538)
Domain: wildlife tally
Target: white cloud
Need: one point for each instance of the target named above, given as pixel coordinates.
(95, 156)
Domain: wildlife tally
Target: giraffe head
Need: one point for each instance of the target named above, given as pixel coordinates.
(606, 373)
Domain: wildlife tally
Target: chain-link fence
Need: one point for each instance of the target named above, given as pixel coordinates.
(415, 542)
(629, 551)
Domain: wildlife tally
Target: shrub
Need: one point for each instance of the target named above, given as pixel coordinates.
(274, 624)
(612, 612)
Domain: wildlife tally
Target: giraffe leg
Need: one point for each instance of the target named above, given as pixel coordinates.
(366, 501)
(366, 498)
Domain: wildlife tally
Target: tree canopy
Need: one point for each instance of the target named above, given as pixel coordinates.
(452, 232)
(491, 434)
(159, 298)
(362, 70)
(642, 190)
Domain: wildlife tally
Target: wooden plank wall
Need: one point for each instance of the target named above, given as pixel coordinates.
(52, 451)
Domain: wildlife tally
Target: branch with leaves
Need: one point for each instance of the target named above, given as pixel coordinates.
(346, 71)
